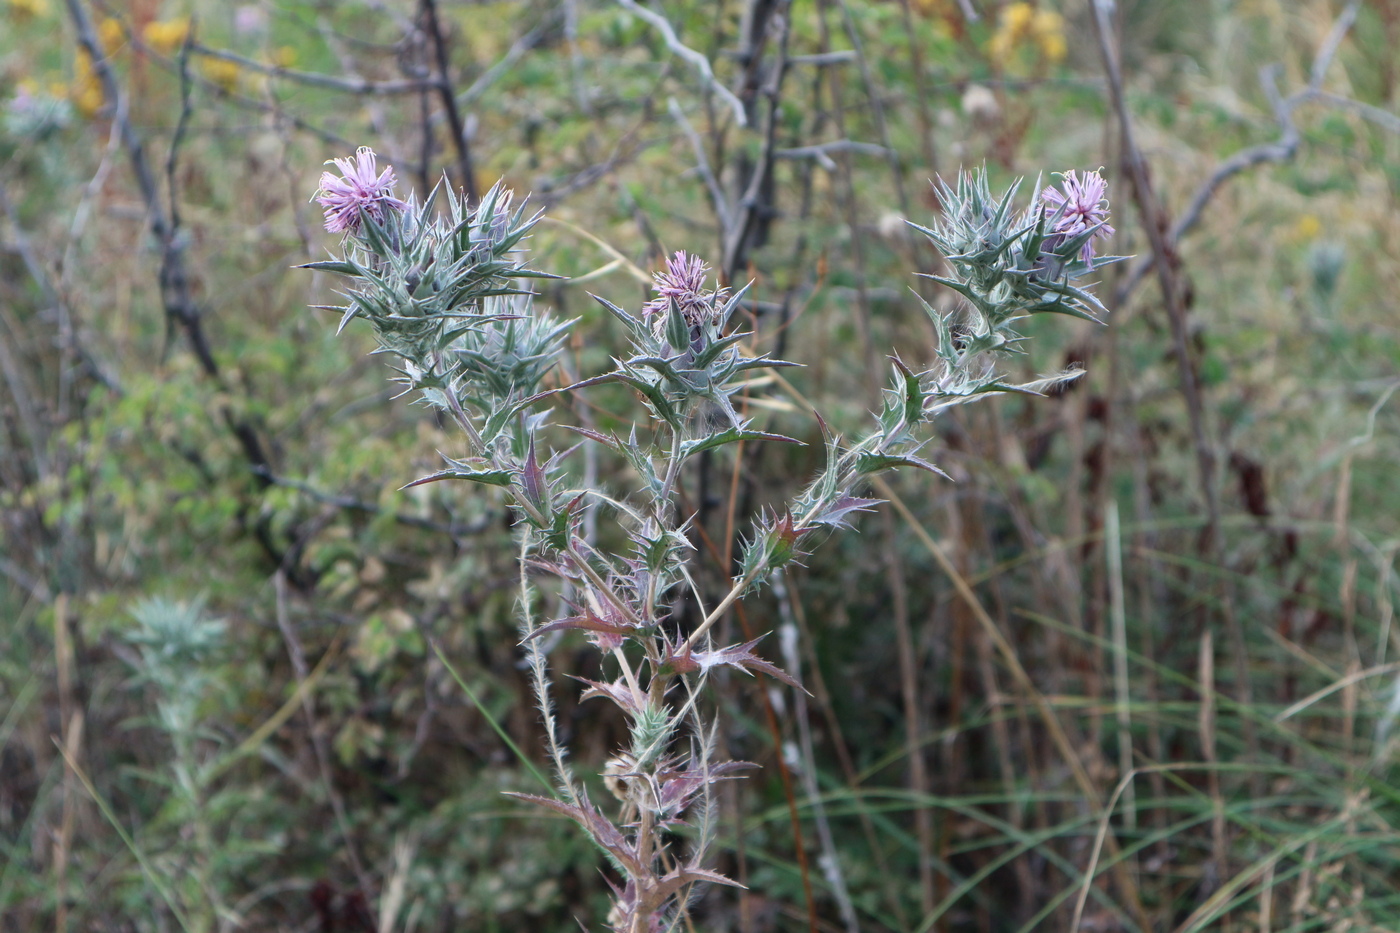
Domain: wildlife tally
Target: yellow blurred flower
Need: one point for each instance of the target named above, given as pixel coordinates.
(110, 32)
(221, 72)
(1022, 26)
(86, 90)
(165, 36)
(1307, 228)
(1048, 27)
(1013, 25)
(23, 11)
(284, 56)
(1017, 18)
(87, 101)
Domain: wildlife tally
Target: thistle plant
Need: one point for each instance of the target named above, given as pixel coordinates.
(445, 292)
(176, 644)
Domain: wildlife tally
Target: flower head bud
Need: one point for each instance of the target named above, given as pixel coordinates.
(683, 283)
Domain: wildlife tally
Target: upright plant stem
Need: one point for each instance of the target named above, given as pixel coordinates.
(1113, 549)
(449, 102)
(1164, 260)
(318, 741)
(913, 721)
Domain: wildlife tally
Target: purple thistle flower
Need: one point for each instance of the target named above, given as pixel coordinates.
(359, 189)
(1083, 204)
(684, 282)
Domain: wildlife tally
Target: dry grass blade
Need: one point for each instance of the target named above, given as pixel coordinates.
(1018, 671)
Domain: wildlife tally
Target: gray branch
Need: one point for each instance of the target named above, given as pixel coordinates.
(313, 79)
(1281, 149)
(701, 63)
(822, 151)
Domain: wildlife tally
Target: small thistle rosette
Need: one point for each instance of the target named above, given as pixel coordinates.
(176, 643)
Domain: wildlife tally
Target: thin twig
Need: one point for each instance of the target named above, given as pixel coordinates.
(1162, 259)
(355, 85)
(821, 59)
(1281, 150)
(1113, 551)
(179, 303)
(350, 503)
(875, 95)
(753, 211)
(318, 741)
(700, 62)
(449, 103)
(517, 51)
(1382, 118)
(822, 151)
(909, 694)
(830, 859)
(1166, 262)
(182, 124)
(702, 164)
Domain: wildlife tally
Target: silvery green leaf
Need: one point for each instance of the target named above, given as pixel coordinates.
(835, 514)
(732, 305)
(342, 266)
(632, 323)
(656, 398)
(705, 357)
(730, 436)
(761, 362)
(485, 477)
(868, 463)
(677, 328)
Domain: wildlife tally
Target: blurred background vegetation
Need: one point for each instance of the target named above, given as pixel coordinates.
(248, 683)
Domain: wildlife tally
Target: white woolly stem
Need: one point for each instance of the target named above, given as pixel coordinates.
(539, 670)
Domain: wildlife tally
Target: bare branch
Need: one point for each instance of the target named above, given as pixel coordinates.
(449, 102)
(314, 79)
(517, 50)
(1150, 213)
(822, 151)
(351, 504)
(318, 739)
(37, 588)
(702, 165)
(1382, 118)
(821, 59)
(1328, 50)
(1281, 150)
(701, 63)
(968, 12)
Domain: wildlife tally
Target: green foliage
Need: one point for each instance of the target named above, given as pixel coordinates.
(128, 478)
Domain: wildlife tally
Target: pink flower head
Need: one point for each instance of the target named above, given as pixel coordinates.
(684, 282)
(1083, 204)
(359, 189)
